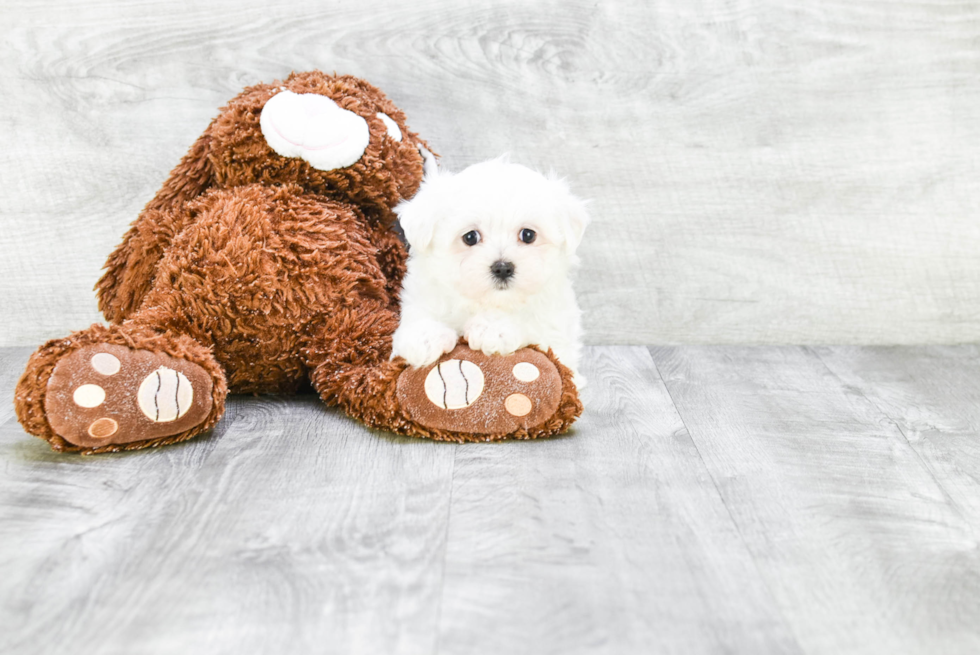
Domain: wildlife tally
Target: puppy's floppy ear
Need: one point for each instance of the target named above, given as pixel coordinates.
(418, 216)
(573, 218)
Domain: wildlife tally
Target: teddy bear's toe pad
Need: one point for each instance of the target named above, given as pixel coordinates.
(466, 391)
(109, 394)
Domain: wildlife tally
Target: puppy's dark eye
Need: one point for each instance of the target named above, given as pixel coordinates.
(528, 236)
(471, 238)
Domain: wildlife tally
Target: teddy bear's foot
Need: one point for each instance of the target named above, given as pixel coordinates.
(105, 394)
(467, 395)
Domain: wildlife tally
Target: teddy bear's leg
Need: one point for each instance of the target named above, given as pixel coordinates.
(119, 387)
(129, 271)
(464, 396)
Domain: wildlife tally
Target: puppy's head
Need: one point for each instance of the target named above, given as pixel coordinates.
(497, 232)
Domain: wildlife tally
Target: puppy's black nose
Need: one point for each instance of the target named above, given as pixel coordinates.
(502, 270)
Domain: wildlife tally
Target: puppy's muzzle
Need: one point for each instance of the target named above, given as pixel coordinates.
(502, 270)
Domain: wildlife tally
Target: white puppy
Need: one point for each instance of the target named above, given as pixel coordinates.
(490, 253)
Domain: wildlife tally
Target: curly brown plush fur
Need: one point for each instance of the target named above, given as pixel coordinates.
(233, 153)
(269, 273)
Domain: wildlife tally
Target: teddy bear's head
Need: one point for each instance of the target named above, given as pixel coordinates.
(334, 135)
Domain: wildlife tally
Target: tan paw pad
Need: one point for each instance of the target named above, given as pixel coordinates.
(517, 404)
(165, 395)
(89, 395)
(526, 372)
(103, 428)
(105, 363)
(454, 384)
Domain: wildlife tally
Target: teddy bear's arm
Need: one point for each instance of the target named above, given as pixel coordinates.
(391, 256)
(130, 268)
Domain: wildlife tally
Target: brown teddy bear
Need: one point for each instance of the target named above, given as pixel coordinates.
(266, 263)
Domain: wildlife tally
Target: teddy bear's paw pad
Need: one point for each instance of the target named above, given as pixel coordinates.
(109, 394)
(468, 392)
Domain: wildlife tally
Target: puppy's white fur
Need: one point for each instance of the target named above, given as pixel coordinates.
(449, 289)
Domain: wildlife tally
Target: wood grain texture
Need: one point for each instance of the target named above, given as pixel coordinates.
(73, 529)
(611, 540)
(932, 394)
(303, 533)
(762, 172)
(727, 499)
(12, 363)
(860, 542)
(289, 529)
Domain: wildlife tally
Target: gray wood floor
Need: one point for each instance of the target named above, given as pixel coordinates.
(711, 499)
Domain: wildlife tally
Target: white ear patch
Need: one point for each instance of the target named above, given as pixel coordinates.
(430, 168)
(394, 131)
(313, 128)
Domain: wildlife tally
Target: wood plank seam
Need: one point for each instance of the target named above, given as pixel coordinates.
(445, 550)
(714, 483)
(893, 421)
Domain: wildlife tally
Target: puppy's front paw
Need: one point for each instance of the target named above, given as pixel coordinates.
(492, 336)
(423, 343)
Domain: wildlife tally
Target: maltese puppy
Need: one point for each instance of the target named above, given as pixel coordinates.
(490, 253)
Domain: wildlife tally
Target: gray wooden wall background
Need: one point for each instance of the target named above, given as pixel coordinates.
(761, 171)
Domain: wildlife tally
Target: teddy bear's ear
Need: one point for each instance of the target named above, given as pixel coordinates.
(419, 215)
(316, 129)
(430, 166)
